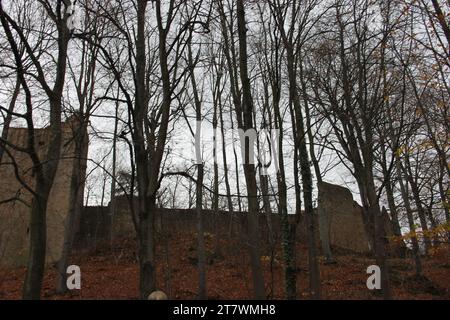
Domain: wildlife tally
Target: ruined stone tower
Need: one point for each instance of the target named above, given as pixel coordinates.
(344, 225)
(344, 218)
(15, 198)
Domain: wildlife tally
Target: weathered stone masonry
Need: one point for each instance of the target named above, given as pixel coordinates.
(15, 215)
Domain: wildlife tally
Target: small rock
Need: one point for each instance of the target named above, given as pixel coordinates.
(157, 295)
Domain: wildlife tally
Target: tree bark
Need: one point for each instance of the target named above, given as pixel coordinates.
(201, 238)
(417, 200)
(79, 128)
(412, 227)
(249, 168)
(8, 118)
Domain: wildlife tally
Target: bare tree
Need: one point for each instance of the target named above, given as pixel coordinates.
(44, 167)
(292, 41)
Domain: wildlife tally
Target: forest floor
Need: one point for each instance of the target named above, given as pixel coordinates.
(112, 272)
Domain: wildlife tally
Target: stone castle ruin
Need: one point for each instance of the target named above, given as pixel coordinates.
(343, 217)
(344, 222)
(15, 199)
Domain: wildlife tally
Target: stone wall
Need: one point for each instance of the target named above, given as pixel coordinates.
(15, 214)
(344, 218)
(98, 225)
(344, 226)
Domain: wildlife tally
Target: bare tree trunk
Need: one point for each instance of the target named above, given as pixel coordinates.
(201, 250)
(236, 167)
(322, 215)
(380, 243)
(225, 164)
(387, 175)
(392, 208)
(112, 206)
(306, 175)
(146, 194)
(76, 201)
(77, 124)
(8, 118)
(412, 228)
(324, 228)
(288, 229)
(147, 281)
(249, 168)
(38, 236)
(232, 66)
(443, 192)
(264, 182)
(314, 274)
(216, 186)
(416, 196)
(264, 185)
(201, 238)
(44, 169)
(38, 226)
(290, 225)
(305, 171)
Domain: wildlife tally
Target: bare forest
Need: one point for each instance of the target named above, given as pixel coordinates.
(224, 149)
